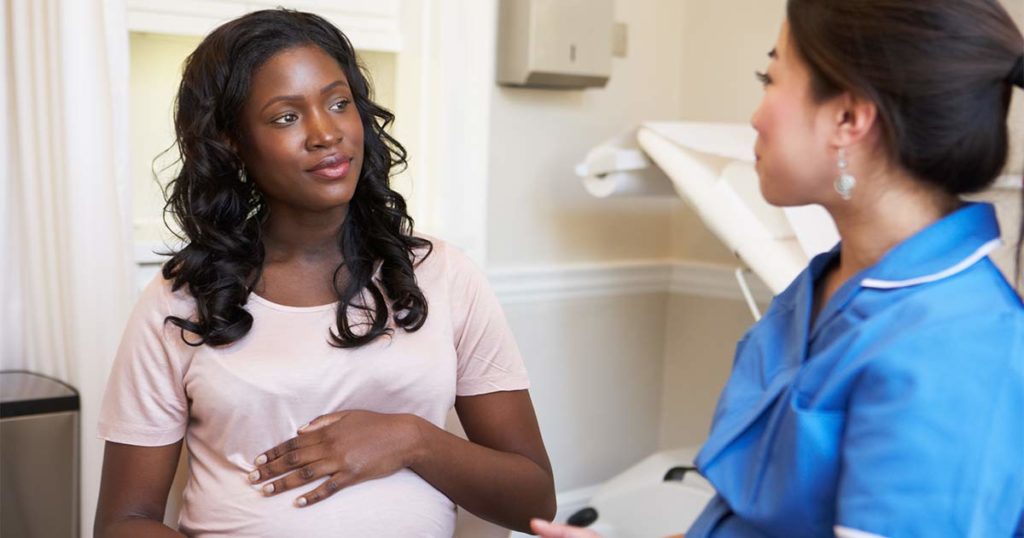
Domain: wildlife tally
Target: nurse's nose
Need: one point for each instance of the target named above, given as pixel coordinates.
(755, 119)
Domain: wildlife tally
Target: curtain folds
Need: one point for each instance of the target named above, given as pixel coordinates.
(67, 282)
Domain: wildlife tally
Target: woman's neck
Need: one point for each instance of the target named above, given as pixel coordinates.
(290, 234)
(890, 208)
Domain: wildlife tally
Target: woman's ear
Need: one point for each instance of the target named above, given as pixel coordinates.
(229, 142)
(854, 119)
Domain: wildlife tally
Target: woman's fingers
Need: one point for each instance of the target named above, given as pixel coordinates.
(302, 475)
(290, 445)
(347, 447)
(321, 421)
(330, 486)
(547, 529)
(288, 461)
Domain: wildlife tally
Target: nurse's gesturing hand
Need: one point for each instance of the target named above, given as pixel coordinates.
(348, 447)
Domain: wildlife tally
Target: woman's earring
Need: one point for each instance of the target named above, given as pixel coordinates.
(242, 177)
(845, 182)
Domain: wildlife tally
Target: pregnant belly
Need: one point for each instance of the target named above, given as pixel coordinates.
(402, 504)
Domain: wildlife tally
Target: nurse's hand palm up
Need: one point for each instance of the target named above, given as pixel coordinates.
(349, 447)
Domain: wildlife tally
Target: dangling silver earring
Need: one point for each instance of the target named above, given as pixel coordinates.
(845, 182)
(242, 177)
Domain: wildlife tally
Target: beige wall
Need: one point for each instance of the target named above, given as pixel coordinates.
(538, 211)
(724, 42)
(595, 368)
(700, 338)
(595, 364)
(155, 72)
(618, 377)
(1015, 165)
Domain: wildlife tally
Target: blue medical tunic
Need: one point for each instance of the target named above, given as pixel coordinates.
(899, 411)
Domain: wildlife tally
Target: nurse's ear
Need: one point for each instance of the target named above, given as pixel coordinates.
(854, 120)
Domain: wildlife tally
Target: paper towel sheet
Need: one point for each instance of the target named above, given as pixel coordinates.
(618, 167)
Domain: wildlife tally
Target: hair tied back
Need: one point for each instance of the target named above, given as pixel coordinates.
(1016, 76)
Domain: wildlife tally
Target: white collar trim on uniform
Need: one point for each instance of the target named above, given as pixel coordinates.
(977, 255)
(847, 532)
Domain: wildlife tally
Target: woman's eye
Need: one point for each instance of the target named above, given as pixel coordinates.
(340, 105)
(286, 119)
(763, 78)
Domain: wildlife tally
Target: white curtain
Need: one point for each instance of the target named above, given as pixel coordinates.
(67, 282)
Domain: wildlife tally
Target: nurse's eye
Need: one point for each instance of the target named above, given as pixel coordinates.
(286, 119)
(340, 105)
(763, 78)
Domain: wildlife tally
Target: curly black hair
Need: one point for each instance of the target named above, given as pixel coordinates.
(221, 218)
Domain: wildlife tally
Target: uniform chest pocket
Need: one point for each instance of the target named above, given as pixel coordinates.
(801, 471)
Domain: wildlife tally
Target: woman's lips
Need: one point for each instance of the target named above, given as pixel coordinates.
(332, 168)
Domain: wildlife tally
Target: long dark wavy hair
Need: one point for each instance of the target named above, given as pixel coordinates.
(221, 218)
(941, 73)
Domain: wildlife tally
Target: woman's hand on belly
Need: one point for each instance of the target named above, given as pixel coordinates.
(347, 447)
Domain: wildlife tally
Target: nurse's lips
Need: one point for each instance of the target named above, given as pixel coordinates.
(332, 167)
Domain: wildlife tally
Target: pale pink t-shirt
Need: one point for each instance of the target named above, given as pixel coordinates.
(231, 403)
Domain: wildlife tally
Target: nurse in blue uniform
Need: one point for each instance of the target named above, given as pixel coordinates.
(882, 394)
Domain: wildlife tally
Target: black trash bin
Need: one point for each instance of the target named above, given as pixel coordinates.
(39, 430)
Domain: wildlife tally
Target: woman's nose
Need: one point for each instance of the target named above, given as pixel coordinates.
(322, 132)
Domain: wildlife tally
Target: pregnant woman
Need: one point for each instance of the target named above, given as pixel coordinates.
(303, 343)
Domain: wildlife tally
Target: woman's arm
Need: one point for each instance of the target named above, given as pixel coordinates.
(501, 474)
(133, 491)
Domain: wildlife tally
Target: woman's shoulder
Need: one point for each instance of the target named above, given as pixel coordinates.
(440, 257)
(445, 269)
(160, 297)
(956, 336)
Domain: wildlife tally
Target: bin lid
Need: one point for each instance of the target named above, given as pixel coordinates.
(26, 393)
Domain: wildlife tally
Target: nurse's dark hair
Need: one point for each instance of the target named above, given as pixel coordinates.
(220, 217)
(940, 72)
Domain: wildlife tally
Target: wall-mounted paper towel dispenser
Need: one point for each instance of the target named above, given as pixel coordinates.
(555, 43)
